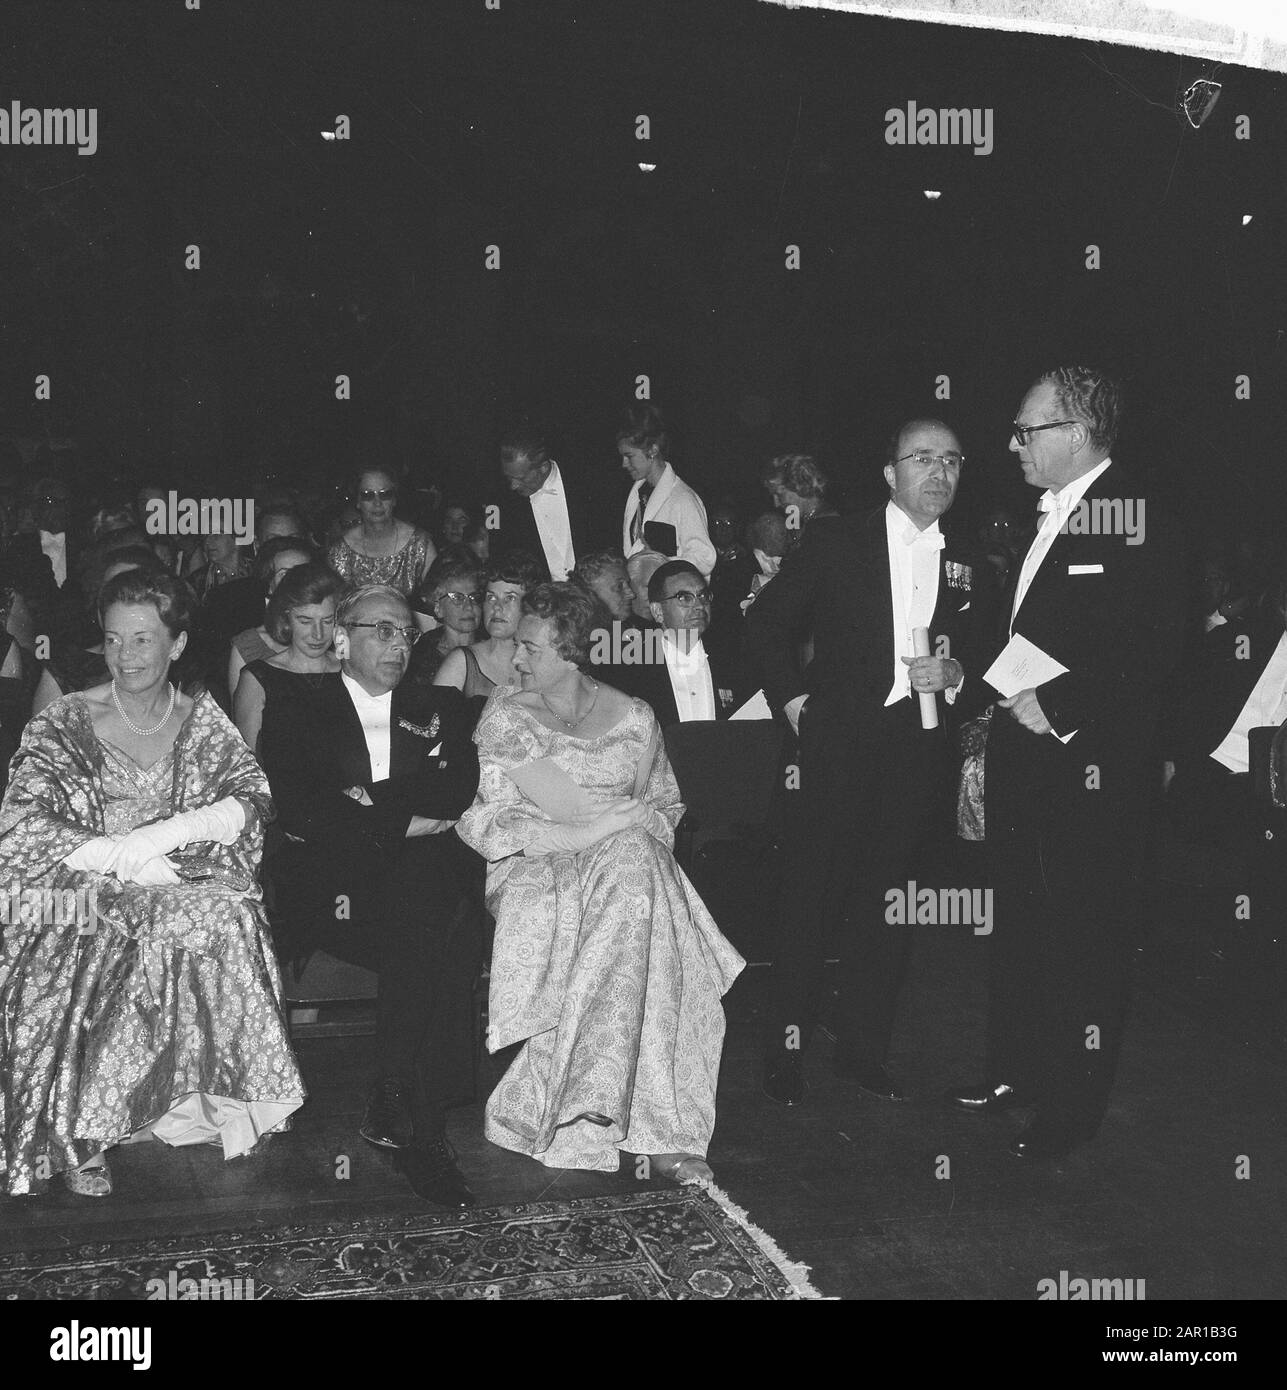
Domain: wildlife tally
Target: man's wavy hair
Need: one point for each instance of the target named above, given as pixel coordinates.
(355, 598)
(594, 565)
(1088, 395)
(571, 612)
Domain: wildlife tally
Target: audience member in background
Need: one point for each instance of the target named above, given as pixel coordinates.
(19, 672)
(602, 574)
(453, 593)
(798, 488)
(640, 568)
(726, 532)
(49, 550)
(301, 620)
(769, 539)
(999, 535)
(380, 549)
(479, 669)
(176, 552)
(456, 522)
(219, 561)
(72, 667)
(662, 512)
(618, 1009)
(280, 519)
(368, 773)
(692, 680)
(165, 1018)
(273, 560)
(552, 512)
(478, 541)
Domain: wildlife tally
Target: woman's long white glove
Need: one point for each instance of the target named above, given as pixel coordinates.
(99, 855)
(590, 828)
(128, 856)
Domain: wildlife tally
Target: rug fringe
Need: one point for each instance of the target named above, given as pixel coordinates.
(797, 1274)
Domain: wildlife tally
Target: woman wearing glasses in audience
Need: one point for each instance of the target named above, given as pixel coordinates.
(301, 619)
(381, 549)
(606, 966)
(453, 593)
(477, 670)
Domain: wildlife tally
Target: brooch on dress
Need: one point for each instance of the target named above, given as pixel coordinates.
(429, 730)
(959, 576)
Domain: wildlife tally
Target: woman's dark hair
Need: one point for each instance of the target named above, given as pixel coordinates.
(572, 613)
(314, 582)
(643, 428)
(171, 597)
(138, 557)
(518, 567)
(272, 550)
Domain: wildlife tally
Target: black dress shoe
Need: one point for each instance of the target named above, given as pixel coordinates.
(784, 1079)
(1046, 1140)
(431, 1170)
(874, 1079)
(387, 1121)
(989, 1100)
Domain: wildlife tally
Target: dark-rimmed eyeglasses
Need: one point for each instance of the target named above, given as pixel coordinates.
(686, 597)
(1020, 433)
(387, 631)
(374, 494)
(923, 458)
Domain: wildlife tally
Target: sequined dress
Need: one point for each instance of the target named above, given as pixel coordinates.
(606, 963)
(402, 569)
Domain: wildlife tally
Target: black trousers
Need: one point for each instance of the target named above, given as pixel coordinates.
(1067, 863)
(415, 915)
(868, 801)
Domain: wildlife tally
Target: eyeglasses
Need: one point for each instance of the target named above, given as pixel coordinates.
(456, 597)
(924, 459)
(371, 494)
(387, 631)
(1020, 433)
(686, 597)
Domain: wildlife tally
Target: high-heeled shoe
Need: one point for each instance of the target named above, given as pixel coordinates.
(92, 1179)
(682, 1168)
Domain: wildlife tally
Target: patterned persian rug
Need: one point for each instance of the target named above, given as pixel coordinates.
(670, 1244)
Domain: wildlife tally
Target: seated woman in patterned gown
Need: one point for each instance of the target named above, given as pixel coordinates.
(146, 996)
(606, 963)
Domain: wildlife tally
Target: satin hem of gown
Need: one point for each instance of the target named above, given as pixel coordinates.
(199, 1118)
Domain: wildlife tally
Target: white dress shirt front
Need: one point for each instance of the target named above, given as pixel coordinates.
(550, 512)
(913, 587)
(54, 544)
(1267, 704)
(690, 677)
(376, 714)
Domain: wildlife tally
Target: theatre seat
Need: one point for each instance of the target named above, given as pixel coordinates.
(322, 981)
(730, 776)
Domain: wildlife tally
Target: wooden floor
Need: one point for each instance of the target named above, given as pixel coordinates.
(852, 1186)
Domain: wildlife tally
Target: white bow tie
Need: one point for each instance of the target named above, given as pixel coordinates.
(1048, 502)
(932, 540)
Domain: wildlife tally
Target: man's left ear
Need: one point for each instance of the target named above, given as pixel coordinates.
(890, 476)
(341, 644)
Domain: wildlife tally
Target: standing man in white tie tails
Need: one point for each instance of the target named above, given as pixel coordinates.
(1070, 764)
(662, 512)
(873, 781)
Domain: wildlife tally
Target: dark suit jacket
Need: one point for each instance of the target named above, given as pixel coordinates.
(836, 586)
(1113, 613)
(314, 749)
(650, 682)
(595, 518)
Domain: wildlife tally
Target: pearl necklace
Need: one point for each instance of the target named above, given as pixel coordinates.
(571, 724)
(132, 726)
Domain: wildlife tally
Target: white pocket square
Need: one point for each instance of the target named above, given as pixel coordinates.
(1085, 569)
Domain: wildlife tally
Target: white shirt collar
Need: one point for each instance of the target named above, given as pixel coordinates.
(1071, 493)
(553, 484)
(903, 528)
(360, 697)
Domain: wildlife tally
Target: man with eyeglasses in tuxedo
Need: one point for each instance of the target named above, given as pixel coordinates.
(369, 773)
(1071, 763)
(873, 781)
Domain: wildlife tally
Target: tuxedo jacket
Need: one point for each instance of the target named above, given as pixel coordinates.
(1112, 612)
(591, 515)
(312, 748)
(650, 682)
(835, 585)
(674, 523)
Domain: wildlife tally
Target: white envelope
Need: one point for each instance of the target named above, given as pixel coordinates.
(1085, 569)
(757, 707)
(1021, 666)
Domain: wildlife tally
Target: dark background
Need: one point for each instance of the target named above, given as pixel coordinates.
(517, 128)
